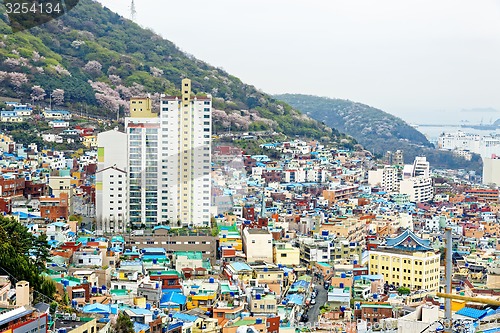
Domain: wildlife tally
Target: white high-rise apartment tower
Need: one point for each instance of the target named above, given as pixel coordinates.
(170, 160)
(111, 182)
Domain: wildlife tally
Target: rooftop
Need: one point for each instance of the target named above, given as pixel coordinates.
(256, 231)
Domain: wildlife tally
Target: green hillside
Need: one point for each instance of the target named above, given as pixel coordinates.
(100, 59)
(375, 129)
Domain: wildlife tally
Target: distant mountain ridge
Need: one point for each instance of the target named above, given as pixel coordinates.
(101, 59)
(375, 129)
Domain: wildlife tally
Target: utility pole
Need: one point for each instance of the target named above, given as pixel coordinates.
(448, 274)
(133, 12)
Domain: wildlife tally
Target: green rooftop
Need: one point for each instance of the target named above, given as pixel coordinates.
(117, 239)
(191, 255)
(119, 292)
(227, 227)
(165, 272)
(244, 322)
(73, 281)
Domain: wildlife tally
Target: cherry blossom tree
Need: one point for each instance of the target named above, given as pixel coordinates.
(3, 76)
(136, 89)
(156, 72)
(58, 96)
(61, 70)
(93, 67)
(108, 98)
(115, 79)
(18, 79)
(37, 93)
(12, 62)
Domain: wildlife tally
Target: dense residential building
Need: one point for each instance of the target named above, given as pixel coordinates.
(293, 229)
(54, 208)
(111, 182)
(316, 250)
(258, 245)
(406, 261)
(386, 178)
(484, 194)
(169, 160)
(486, 145)
(23, 320)
(491, 170)
(419, 189)
(285, 254)
(421, 167)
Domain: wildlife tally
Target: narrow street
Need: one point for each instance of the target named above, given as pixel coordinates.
(321, 299)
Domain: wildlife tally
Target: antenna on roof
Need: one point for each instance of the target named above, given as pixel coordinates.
(133, 12)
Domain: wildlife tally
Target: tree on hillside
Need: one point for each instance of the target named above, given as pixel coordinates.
(37, 93)
(18, 79)
(58, 96)
(123, 324)
(23, 257)
(93, 67)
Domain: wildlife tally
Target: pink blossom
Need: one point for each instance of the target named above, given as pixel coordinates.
(61, 70)
(12, 62)
(93, 67)
(18, 79)
(58, 96)
(156, 72)
(115, 79)
(37, 93)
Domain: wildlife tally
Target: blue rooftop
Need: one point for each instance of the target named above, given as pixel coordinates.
(172, 298)
(240, 266)
(472, 313)
(184, 317)
(371, 277)
(161, 227)
(295, 299)
(138, 327)
(140, 311)
(408, 241)
(97, 308)
(59, 224)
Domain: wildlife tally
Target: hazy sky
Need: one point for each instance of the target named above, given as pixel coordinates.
(409, 58)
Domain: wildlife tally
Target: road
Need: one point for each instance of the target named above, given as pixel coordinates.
(320, 300)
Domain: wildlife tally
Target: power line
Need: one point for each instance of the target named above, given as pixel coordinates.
(17, 280)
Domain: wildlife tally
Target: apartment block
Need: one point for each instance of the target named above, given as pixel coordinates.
(406, 261)
(111, 182)
(169, 160)
(386, 178)
(419, 189)
(258, 245)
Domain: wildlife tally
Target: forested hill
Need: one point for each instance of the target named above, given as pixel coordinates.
(375, 129)
(93, 59)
